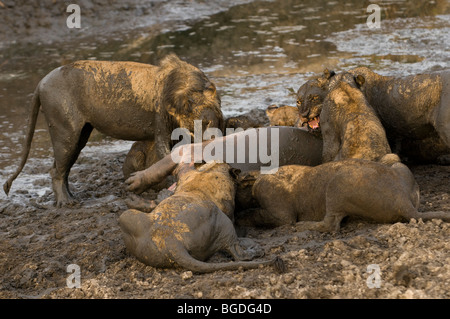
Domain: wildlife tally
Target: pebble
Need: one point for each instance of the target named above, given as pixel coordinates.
(186, 275)
(273, 279)
(288, 279)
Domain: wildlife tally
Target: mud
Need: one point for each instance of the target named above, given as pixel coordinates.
(39, 241)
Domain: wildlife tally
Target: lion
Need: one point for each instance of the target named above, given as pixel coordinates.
(125, 100)
(319, 198)
(350, 126)
(191, 225)
(414, 110)
(140, 156)
(273, 115)
(252, 119)
(284, 115)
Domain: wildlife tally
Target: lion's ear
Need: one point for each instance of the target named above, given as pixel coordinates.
(271, 108)
(248, 177)
(234, 172)
(210, 90)
(324, 80)
(328, 74)
(360, 80)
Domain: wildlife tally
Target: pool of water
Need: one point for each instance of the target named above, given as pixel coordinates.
(258, 53)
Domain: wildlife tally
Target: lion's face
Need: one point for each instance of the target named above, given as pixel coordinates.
(310, 97)
(205, 107)
(189, 96)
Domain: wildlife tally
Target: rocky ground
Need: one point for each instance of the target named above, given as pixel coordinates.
(40, 241)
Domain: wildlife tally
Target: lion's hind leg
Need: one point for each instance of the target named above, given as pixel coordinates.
(67, 145)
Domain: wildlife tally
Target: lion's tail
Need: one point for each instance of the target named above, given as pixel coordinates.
(430, 215)
(182, 257)
(35, 106)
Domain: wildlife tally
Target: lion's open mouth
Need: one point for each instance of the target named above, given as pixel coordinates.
(314, 123)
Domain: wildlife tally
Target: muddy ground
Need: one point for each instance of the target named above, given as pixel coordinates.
(39, 241)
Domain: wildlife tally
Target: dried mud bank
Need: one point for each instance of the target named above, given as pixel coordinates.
(39, 241)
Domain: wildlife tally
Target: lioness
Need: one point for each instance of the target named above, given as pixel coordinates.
(191, 225)
(414, 110)
(141, 155)
(318, 198)
(125, 100)
(350, 126)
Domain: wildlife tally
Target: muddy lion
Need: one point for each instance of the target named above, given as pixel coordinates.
(141, 156)
(414, 110)
(273, 115)
(284, 115)
(191, 225)
(318, 198)
(125, 100)
(350, 126)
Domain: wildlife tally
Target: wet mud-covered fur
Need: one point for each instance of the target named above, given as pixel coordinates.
(252, 119)
(141, 155)
(273, 115)
(414, 110)
(191, 225)
(284, 115)
(318, 198)
(350, 126)
(125, 100)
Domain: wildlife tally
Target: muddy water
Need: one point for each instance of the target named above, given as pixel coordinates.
(257, 53)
